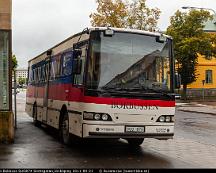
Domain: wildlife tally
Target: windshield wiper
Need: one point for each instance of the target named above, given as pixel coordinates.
(137, 89)
(159, 92)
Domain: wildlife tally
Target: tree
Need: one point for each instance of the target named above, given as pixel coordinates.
(14, 62)
(141, 17)
(189, 41)
(21, 81)
(122, 14)
(110, 13)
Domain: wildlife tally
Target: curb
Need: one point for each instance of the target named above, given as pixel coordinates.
(209, 113)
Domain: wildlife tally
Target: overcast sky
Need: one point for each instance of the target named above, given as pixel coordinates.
(40, 24)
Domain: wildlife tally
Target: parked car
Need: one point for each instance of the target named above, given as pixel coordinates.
(177, 96)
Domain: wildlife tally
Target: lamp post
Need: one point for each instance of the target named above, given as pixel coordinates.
(203, 82)
(200, 8)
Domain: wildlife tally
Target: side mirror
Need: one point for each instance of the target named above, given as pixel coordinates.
(177, 81)
(77, 53)
(77, 66)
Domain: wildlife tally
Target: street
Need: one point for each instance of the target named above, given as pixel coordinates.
(193, 146)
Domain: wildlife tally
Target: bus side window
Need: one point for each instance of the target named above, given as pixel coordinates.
(57, 66)
(47, 71)
(52, 70)
(67, 64)
(34, 75)
(78, 78)
(30, 76)
(39, 74)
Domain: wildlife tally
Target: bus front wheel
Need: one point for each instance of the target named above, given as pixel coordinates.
(135, 141)
(35, 121)
(64, 129)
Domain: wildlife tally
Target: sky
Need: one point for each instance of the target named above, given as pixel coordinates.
(40, 24)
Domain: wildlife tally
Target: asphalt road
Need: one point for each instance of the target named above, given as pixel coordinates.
(193, 146)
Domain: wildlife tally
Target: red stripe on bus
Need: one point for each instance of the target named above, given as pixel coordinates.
(66, 92)
(125, 101)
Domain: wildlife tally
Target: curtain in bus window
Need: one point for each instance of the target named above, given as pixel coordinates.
(52, 70)
(55, 67)
(39, 75)
(30, 75)
(67, 64)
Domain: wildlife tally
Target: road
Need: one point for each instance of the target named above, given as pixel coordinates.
(193, 146)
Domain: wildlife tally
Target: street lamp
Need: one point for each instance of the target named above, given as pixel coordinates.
(200, 8)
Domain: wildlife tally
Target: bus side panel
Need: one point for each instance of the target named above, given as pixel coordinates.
(53, 118)
(30, 99)
(75, 124)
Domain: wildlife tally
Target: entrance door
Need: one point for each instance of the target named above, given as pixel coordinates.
(46, 90)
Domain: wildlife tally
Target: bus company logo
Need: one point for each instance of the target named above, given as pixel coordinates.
(128, 106)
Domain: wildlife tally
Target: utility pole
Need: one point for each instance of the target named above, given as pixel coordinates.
(15, 93)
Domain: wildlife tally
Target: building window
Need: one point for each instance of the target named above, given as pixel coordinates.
(4, 70)
(208, 76)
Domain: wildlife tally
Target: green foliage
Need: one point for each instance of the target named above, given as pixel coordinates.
(14, 62)
(122, 14)
(21, 81)
(189, 41)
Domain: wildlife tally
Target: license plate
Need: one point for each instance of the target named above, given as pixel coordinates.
(130, 129)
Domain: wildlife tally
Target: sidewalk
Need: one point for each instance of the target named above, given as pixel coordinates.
(197, 107)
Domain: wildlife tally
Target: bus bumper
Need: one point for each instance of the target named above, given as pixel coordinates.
(119, 131)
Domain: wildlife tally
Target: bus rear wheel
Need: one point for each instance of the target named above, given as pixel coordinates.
(135, 141)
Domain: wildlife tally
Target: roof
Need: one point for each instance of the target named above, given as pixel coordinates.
(22, 69)
(130, 31)
(210, 25)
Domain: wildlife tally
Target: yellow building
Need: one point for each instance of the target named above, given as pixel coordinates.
(206, 70)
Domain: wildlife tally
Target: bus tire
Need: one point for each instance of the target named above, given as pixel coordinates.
(64, 129)
(34, 112)
(135, 142)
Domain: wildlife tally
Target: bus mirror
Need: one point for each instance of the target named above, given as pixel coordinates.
(108, 32)
(77, 53)
(161, 39)
(177, 81)
(77, 66)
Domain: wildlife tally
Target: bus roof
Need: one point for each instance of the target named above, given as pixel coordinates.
(131, 31)
(102, 29)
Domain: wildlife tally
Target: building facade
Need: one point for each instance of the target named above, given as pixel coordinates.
(21, 73)
(205, 85)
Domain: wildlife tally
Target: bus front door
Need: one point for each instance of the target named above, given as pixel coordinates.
(46, 91)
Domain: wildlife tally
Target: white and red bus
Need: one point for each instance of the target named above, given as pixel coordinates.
(105, 83)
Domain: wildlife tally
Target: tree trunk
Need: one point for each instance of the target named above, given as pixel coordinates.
(184, 91)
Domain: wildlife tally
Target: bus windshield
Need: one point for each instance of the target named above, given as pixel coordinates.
(128, 61)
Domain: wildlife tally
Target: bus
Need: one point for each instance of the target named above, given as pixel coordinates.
(105, 83)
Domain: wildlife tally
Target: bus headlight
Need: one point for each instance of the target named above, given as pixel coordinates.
(88, 116)
(97, 116)
(166, 118)
(105, 117)
(162, 119)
